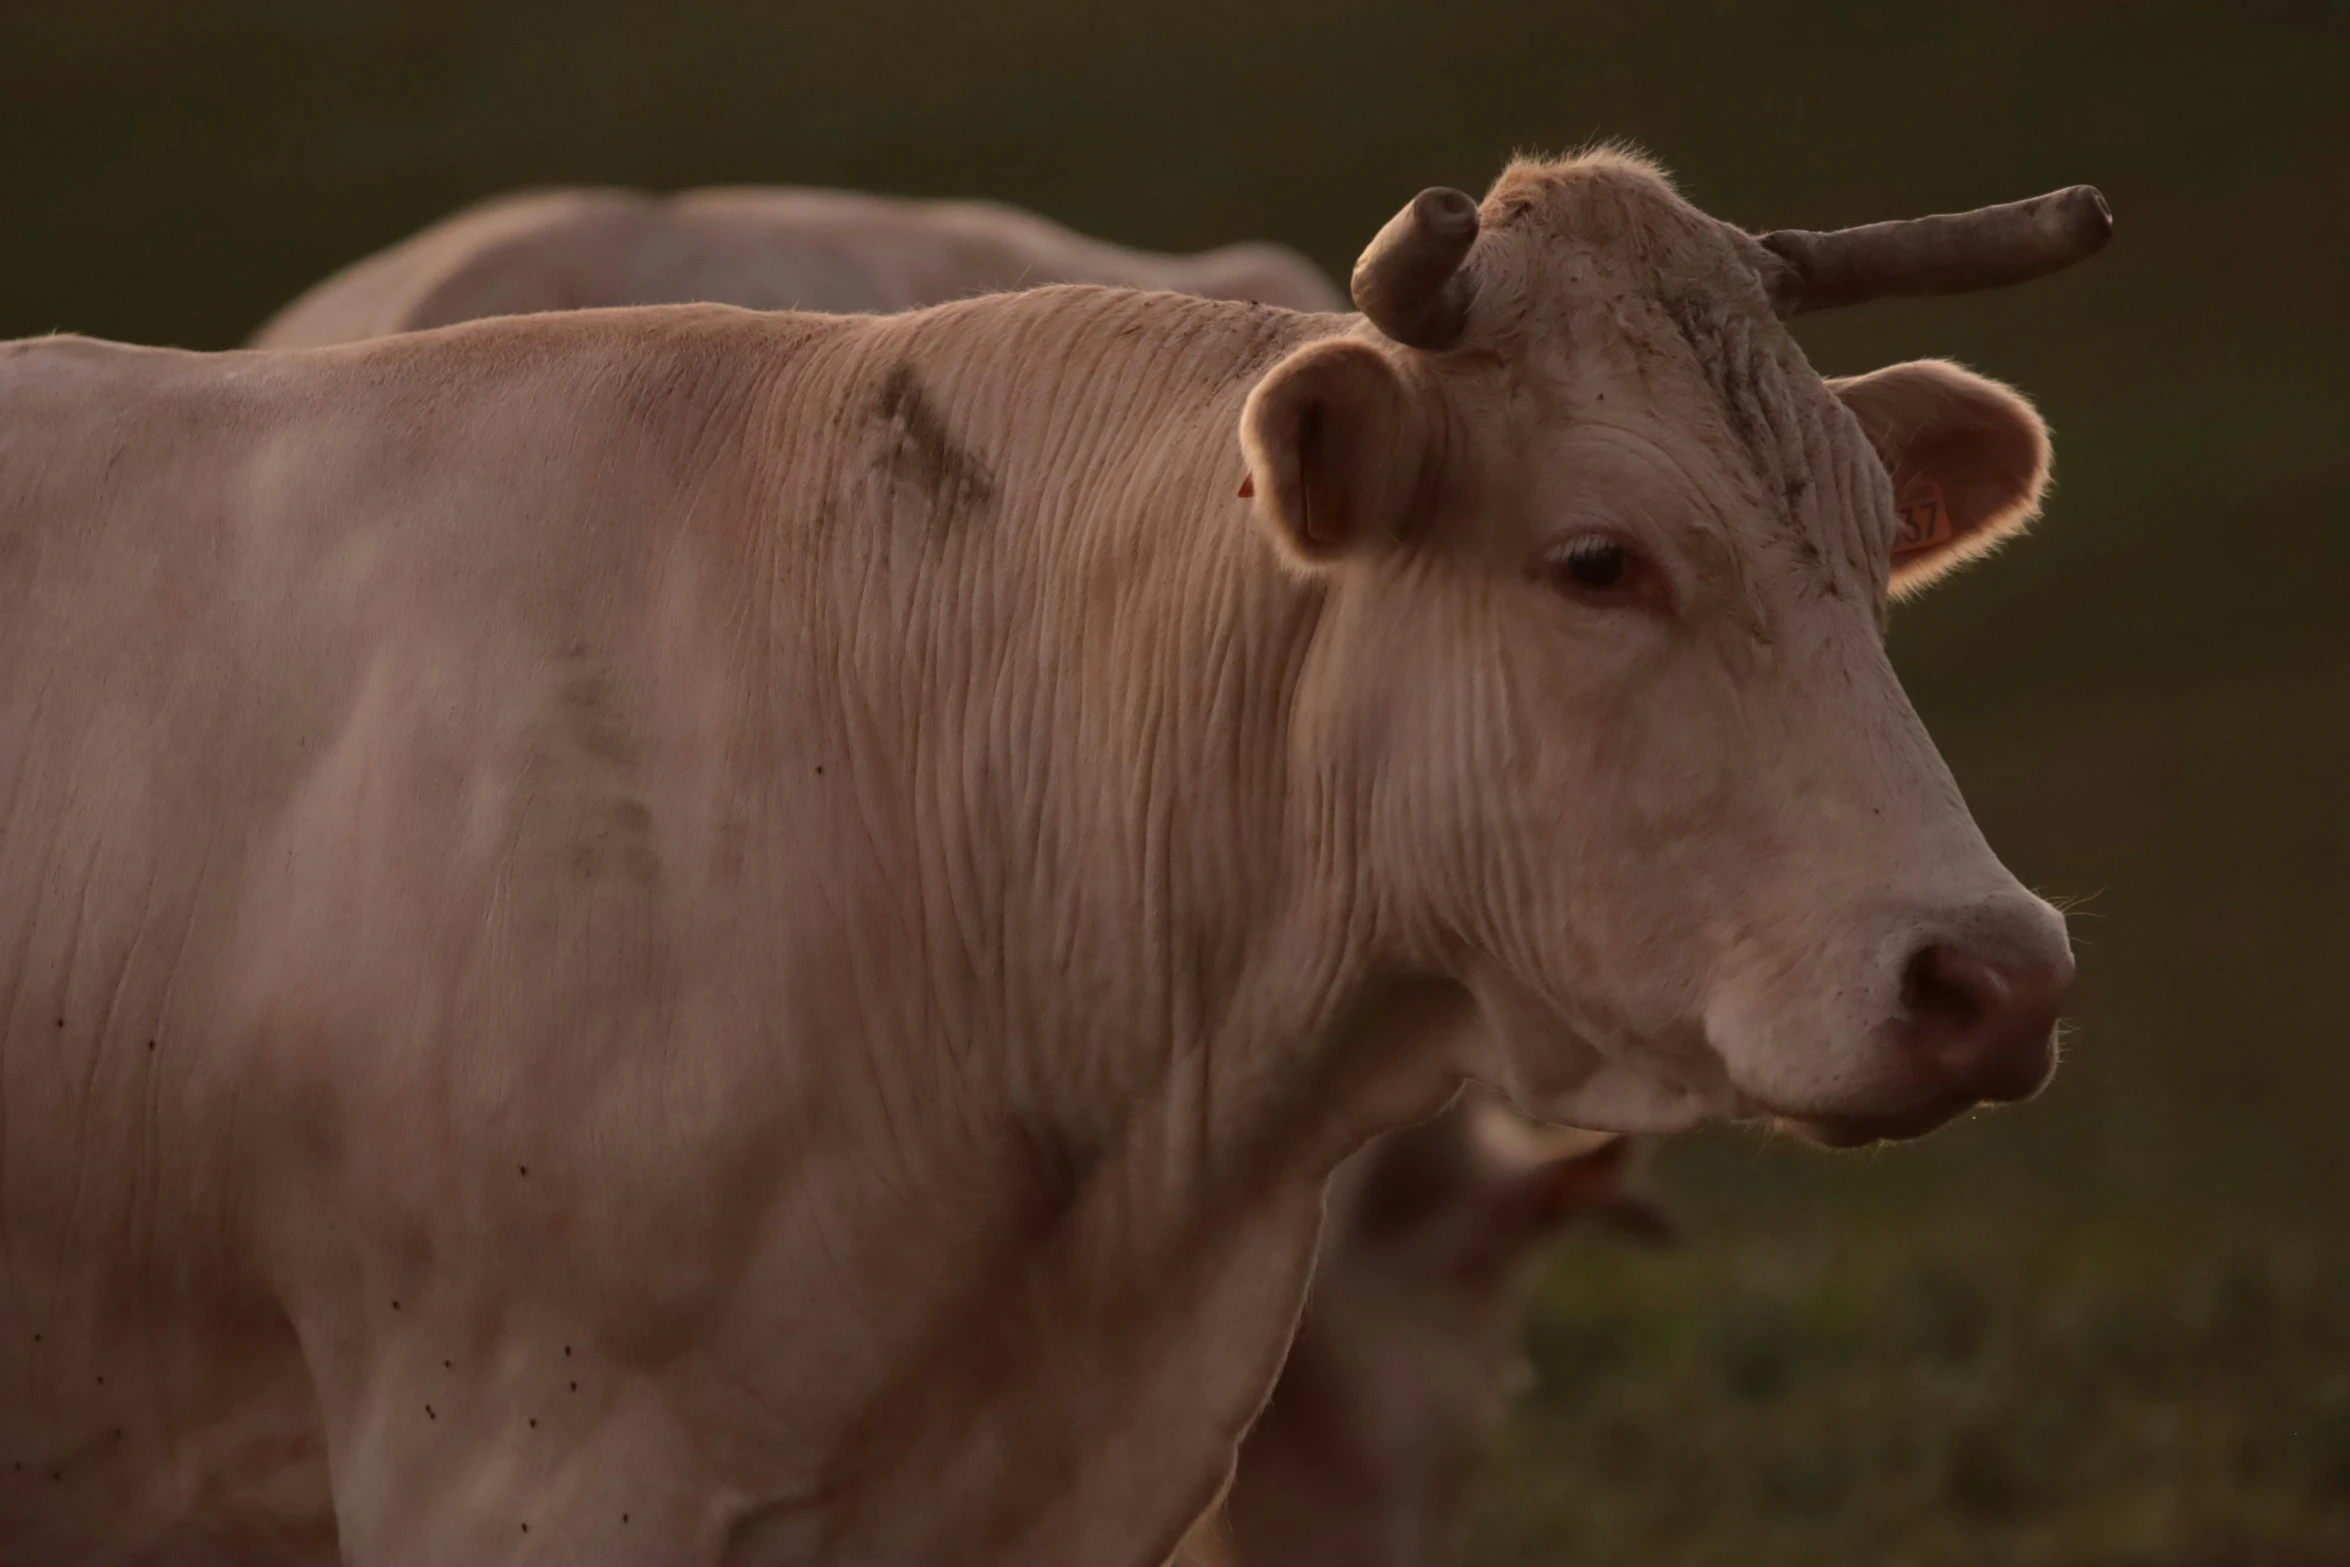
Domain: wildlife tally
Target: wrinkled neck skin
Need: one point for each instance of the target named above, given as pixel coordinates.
(1075, 1167)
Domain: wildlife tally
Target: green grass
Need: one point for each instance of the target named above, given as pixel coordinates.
(1933, 1389)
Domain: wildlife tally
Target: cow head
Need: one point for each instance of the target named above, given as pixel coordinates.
(1601, 672)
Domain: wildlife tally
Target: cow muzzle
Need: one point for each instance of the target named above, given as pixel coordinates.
(1974, 1023)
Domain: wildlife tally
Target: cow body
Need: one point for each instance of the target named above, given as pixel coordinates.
(704, 936)
(554, 863)
(761, 248)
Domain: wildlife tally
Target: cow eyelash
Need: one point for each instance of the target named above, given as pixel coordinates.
(1599, 568)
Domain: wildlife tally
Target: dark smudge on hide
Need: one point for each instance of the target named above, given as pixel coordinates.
(1729, 368)
(608, 827)
(920, 452)
(1737, 373)
(1059, 1169)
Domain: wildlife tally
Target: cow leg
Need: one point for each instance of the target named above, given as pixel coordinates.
(532, 1455)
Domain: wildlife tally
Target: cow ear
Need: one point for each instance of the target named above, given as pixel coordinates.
(1968, 456)
(1333, 455)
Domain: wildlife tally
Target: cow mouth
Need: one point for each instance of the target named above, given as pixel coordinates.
(2015, 1077)
(1861, 1131)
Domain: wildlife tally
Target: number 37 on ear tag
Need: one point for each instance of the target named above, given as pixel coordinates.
(1925, 519)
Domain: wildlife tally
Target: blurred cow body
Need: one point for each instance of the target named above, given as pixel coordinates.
(761, 248)
(713, 936)
(1411, 1349)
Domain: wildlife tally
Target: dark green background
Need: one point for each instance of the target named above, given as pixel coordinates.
(2111, 1327)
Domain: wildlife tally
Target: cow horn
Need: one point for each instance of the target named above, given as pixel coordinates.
(1955, 253)
(1409, 280)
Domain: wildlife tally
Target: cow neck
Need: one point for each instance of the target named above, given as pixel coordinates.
(1157, 986)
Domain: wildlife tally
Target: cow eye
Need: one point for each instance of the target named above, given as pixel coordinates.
(1595, 567)
(1597, 564)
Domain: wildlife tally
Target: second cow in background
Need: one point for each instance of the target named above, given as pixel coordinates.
(761, 248)
(1411, 1348)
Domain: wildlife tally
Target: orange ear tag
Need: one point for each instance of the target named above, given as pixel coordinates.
(1925, 520)
(1248, 485)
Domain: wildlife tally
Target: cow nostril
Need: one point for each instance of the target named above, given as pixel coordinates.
(1983, 1021)
(1947, 994)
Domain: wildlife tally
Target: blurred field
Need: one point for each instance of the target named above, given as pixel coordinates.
(2004, 1391)
(2113, 1327)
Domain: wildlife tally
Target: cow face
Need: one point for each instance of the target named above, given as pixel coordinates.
(1606, 569)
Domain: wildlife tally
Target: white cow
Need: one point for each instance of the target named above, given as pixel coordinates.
(688, 935)
(762, 248)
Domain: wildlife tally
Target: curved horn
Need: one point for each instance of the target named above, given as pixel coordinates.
(1409, 280)
(1956, 253)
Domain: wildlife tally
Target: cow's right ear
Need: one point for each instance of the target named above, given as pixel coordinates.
(1333, 452)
